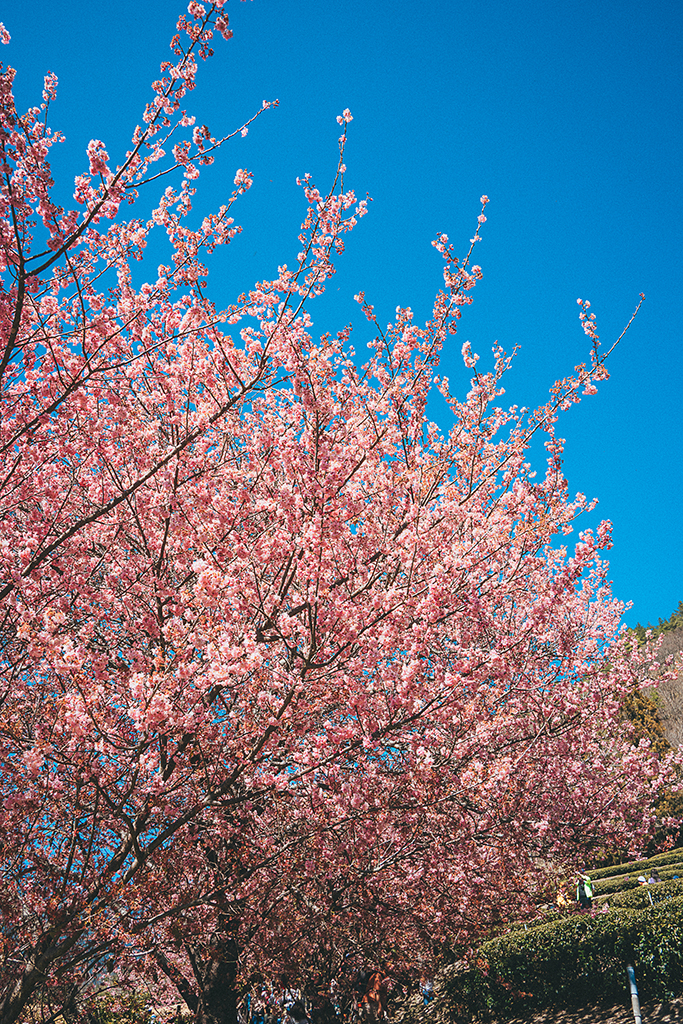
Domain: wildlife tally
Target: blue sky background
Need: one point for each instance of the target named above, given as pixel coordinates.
(567, 115)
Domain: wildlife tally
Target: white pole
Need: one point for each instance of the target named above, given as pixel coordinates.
(634, 993)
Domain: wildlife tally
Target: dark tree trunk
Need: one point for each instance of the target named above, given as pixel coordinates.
(218, 998)
(178, 979)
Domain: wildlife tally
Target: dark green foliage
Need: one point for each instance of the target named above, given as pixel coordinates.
(642, 711)
(670, 805)
(577, 960)
(133, 1008)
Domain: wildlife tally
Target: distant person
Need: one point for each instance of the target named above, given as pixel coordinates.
(427, 990)
(654, 877)
(584, 891)
(642, 880)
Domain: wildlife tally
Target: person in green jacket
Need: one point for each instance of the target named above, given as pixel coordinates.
(584, 891)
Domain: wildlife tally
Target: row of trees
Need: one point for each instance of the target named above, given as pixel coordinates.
(286, 672)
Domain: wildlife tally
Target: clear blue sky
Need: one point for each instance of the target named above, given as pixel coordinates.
(567, 115)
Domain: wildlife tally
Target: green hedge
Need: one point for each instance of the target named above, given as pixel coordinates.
(613, 885)
(640, 897)
(606, 886)
(627, 894)
(577, 960)
(126, 1008)
(639, 867)
(609, 885)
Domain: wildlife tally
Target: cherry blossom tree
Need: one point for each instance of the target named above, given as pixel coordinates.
(287, 670)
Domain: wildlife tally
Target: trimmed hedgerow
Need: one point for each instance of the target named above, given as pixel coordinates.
(639, 867)
(613, 885)
(640, 897)
(609, 885)
(577, 960)
(631, 894)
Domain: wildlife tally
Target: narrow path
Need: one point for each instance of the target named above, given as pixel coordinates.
(652, 1013)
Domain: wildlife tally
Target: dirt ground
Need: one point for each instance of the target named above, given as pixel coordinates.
(652, 1013)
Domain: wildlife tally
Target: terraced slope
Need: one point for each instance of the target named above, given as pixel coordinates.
(564, 962)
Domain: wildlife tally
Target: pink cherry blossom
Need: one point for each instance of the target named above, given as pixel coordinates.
(243, 178)
(277, 649)
(98, 157)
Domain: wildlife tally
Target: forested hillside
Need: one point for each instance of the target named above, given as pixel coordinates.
(669, 694)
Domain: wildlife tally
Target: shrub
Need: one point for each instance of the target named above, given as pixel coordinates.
(125, 1008)
(640, 897)
(639, 867)
(610, 885)
(576, 960)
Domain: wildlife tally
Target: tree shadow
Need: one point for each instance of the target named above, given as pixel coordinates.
(652, 1013)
